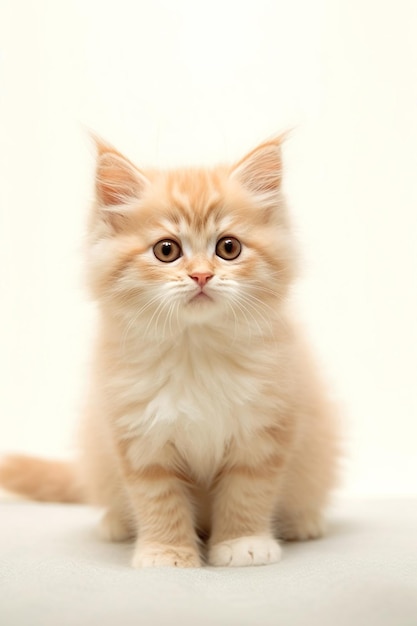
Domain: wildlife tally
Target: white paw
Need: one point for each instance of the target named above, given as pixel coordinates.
(253, 550)
(113, 528)
(160, 555)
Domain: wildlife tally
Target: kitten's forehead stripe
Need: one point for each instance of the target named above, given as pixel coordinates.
(196, 195)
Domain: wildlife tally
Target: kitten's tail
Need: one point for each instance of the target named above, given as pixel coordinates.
(40, 479)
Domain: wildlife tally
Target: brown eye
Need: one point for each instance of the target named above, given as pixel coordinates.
(167, 250)
(228, 248)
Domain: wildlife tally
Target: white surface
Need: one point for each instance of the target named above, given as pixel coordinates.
(54, 570)
(186, 82)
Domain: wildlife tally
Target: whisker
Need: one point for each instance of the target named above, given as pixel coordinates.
(156, 313)
(243, 309)
(133, 320)
(235, 321)
(252, 305)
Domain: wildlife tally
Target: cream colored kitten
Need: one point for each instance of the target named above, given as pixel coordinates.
(205, 417)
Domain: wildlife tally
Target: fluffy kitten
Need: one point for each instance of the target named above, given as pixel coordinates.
(205, 418)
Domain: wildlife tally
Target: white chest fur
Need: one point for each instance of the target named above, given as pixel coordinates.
(198, 392)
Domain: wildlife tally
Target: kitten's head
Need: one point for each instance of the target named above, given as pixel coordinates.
(191, 246)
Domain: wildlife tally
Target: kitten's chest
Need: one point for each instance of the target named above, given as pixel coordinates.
(199, 385)
(198, 397)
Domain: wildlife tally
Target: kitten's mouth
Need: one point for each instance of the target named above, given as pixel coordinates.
(201, 296)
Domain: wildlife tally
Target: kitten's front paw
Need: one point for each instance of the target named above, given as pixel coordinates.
(113, 528)
(160, 555)
(253, 550)
(301, 527)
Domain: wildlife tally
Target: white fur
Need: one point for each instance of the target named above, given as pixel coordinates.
(245, 551)
(198, 398)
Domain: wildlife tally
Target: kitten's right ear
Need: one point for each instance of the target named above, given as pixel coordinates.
(260, 172)
(118, 181)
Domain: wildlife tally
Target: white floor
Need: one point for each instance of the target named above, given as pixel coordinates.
(54, 571)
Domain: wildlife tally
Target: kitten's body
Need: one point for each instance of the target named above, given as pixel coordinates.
(204, 416)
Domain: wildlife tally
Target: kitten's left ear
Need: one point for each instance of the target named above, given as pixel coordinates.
(260, 171)
(118, 181)
(119, 186)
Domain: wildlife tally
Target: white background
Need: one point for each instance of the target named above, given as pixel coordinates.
(187, 82)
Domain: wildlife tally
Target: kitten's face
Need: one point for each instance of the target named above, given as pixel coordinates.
(191, 246)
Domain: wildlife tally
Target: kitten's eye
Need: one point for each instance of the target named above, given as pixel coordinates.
(167, 250)
(228, 248)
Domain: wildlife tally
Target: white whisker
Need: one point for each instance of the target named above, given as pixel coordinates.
(156, 314)
(235, 320)
(133, 320)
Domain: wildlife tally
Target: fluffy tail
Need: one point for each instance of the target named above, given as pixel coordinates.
(39, 479)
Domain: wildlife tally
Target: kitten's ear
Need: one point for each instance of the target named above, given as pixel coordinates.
(260, 171)
(118, 181)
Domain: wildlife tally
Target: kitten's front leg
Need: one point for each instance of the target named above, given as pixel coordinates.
(244, 500)
(160, 500)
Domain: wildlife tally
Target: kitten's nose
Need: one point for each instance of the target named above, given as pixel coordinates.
(201, 278)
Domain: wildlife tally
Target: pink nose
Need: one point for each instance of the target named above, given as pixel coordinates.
(201, 278)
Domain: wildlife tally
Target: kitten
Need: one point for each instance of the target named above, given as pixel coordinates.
(205, 417)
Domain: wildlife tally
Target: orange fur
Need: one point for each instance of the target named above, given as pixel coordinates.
(205, 415)
(47, 481)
